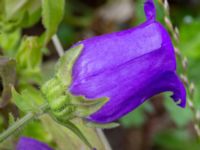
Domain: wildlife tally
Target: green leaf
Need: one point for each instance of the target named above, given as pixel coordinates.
(30, 99)
(14, 8)
(1, 123)
(36, 130)
(17, 14)
(9, 41)
(2, 10)
(76, 131)
(8, 77)
(29, 58)
(32, 13)
(33, 95)
(52, 14)
(60, 134)
(20, 102)
(13, 14)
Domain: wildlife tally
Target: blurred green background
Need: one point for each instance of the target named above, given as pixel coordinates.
(156, 125)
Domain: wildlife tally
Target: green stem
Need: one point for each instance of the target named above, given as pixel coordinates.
(28, 117)
(23, 121)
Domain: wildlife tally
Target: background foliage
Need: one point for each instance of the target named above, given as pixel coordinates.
(28, 54)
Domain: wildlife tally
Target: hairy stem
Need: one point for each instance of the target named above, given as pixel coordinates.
(22, 121)
(58, 45)
(184, 64)
(28, 117)
(103, 139)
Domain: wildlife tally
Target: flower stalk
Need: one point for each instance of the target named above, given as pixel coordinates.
(190, 87)
(58, 45)
(22, 122)
(18, 124)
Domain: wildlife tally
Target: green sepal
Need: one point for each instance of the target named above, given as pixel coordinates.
(60, 103)
(65, 64)
(30, 99)
(103, 126)
(76, 131)
(68, 106)
(57, 86)
(65, 114)
(9, 42)
(87, 107)
(53, 89)
(17, 99)
(61, 107)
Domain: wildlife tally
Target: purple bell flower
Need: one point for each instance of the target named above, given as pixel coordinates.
(26, 143)
(128, 67)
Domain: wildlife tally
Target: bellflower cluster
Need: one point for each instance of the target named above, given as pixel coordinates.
(128, 67)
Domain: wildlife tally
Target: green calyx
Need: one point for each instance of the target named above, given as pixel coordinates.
(63, 105)
(55, 89)
(66, 63)
(60, 104)
(86, 107)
